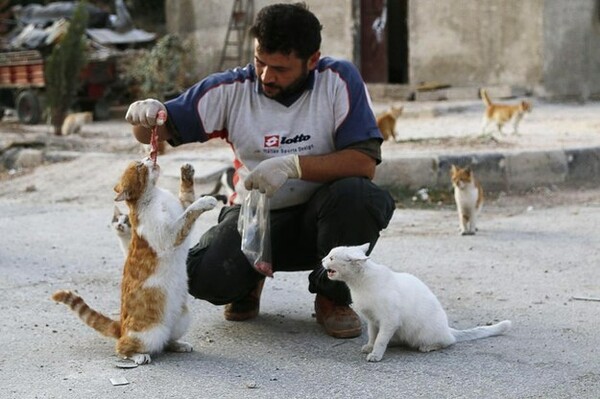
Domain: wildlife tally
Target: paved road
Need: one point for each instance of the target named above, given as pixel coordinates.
(532, 255)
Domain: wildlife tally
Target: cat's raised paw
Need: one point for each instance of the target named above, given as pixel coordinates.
(187, 173)
(205, 203)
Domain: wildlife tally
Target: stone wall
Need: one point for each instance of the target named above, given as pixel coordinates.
(465, 43)
(204, 23)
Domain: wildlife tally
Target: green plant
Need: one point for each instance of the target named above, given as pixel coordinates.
(161, 71)
(63, 68)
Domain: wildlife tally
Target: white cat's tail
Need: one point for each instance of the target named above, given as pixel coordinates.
(482, 331)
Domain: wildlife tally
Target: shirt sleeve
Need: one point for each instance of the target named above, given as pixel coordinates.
(353, 106)
(370, 147)
(200, 113)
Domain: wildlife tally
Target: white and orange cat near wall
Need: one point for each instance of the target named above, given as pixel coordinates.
(154, 314)
(501, 114)
(468, 195)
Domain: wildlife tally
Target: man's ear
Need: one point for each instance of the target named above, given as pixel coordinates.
(313, 59)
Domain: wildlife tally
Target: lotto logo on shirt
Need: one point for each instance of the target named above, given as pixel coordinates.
(272, 141)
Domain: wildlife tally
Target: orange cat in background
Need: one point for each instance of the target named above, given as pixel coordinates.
(386, 122)
(468, 195)
(501, 114)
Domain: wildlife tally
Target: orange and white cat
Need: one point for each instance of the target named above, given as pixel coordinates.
(120, 220)
(500, 114)
(386, 122)
(468, 195)
(154, 314)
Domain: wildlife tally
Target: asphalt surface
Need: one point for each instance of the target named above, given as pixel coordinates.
(534, 261)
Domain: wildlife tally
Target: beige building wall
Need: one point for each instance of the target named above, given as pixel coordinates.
(547, 46)
(204, 23)
(470, 42)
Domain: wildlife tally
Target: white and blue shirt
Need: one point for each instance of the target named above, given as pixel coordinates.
(332, 113)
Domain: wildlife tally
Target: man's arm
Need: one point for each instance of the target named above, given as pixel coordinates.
(339, 164)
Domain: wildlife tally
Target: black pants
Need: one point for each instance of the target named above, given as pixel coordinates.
(350, 211)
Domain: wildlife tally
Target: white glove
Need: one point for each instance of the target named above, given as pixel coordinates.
(145, 112)
(272, 173)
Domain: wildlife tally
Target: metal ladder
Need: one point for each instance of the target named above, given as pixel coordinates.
(236, 38)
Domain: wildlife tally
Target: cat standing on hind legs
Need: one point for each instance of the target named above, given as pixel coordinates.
(398, 307)
(120, 220)
(468, 195)
(154, 314)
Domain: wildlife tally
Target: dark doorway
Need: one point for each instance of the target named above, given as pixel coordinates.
(384, 41)
(397, 41)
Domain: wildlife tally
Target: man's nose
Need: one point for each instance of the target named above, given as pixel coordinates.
(267, 76)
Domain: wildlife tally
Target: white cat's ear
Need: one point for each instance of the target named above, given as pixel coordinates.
(365, 248)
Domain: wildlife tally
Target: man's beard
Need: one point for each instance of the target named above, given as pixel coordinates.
(295, 87)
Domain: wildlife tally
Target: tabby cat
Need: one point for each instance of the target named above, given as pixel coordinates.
(154, 314)
(468, 195)
(500, 114)
(398, 307)
(386, 122)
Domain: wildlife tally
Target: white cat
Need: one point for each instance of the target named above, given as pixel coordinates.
(122, 227)
(397, 306)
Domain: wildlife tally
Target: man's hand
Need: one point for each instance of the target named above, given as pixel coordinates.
(145, 112)
(272, 173)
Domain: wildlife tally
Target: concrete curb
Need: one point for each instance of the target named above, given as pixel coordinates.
(511, 171)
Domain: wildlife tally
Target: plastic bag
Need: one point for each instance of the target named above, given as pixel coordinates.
(254, 227)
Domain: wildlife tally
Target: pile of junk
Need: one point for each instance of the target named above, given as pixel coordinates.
(27, 35)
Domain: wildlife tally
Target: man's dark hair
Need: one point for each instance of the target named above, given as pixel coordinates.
(287, 28)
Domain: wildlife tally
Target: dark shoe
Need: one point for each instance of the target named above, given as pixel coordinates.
(247, 307)
(339, 320)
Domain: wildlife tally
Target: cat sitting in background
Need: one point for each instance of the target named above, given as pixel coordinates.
(73, 122)
(500, 114)
(386, 122)
(399, 308)
(154, 314)
(468, 195)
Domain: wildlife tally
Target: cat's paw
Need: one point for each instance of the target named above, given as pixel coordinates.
(187, 173)
(374, 357)
(205, 203)
(366, 348)
(140, 358)
(179, 346)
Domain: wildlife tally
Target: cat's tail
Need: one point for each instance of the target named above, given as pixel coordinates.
(482, 331)
(485, 97)
(103, 324)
